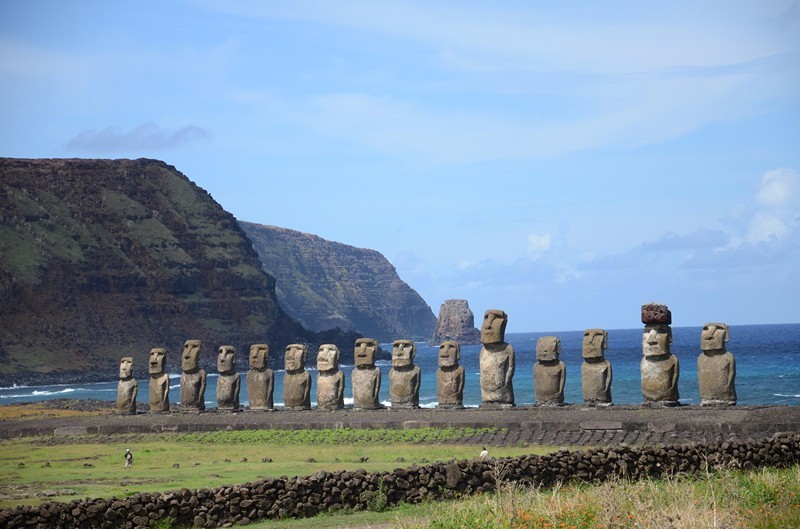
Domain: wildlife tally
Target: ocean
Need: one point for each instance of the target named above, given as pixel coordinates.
(767, 370)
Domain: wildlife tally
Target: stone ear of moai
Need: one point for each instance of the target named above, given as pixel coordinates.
(660, 372)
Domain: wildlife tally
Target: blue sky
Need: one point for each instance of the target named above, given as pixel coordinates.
(563, 161)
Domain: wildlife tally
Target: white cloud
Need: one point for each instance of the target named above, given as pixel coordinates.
(538, 245)
(780, 188)
(147, 137)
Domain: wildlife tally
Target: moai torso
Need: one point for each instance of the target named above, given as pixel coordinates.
(595, 370)
(260, 379)
(549, 373)
(193, 378)
(159, 381)
(229, 381)
(496, 361)
(716, 368)
(404, 377)
(330, 380)
(660, 369)
(366, 376)
(127, 388)
(450, 376)
(296, 381)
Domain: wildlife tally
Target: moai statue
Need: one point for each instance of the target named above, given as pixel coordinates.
(260, 379)
(496, 361)
(330, 380)
(193, 378)
(229, 381)
(404, 377)
(549, 373)
(366, 376)
(716, 368)
(127, 388)
(296, 381)
(450, 376)
(595, 370)
(159, 381)
(660, 369)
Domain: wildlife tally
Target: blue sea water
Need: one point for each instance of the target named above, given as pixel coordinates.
(767, 370)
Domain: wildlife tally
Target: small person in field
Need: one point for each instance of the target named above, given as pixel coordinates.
(484, 454)
(128, 459)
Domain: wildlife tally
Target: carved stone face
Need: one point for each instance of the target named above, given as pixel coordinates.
(656, 339)
(714, 336)
(365, 352)
(259, 352)
(493, 329)
(403, 352)
(295, 356)
(548, 348)
(126, 367)
(327, 357)
(595, 342)
(191, 355)
(157, 362)
(226, 358)
(449, 354)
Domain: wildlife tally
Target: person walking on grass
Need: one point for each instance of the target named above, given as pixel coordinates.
(128, 459)
(484, 455)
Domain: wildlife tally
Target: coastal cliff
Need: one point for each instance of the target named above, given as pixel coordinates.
(327, 284)
(101, 259)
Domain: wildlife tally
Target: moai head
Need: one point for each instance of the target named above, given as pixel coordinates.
(548, 348)
(158, 361)
(714, 336)
(403, 352)
(259, 352)
(449, 354)
(295, 357)
(226, 359)
(656, 339)
(493, 329)
(125, 367)
(328, 357)
(190, 359)
(366, 348)
(595, 342)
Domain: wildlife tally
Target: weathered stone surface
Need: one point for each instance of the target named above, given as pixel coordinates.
(404, 377)
(330, 380)
(260, 379)
(660, 368)
(127, 387)
(366, 377)
(596, 373)
(124, 254)
(296, 381)
(450, 376)
(193, 378)
(326, 284)
(229, 381)
(456, 323)
(716, 368)
(497, 361)
(656, 313)
(549, 373)
(159, 381)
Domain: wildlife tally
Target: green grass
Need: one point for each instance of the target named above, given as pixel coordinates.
(92, 466)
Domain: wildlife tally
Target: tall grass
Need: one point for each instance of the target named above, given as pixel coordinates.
(764, 499)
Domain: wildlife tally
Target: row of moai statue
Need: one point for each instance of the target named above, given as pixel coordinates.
(659, 370)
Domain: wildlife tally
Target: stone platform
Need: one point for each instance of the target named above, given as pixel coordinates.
(563, 425)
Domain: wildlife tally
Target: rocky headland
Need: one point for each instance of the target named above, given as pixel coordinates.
(456, 322)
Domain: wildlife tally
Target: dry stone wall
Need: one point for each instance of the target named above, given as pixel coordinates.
(274, 498)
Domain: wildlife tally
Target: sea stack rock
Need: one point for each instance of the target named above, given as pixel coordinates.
(456, 323)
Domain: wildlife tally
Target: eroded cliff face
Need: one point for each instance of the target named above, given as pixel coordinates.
(327, 284)
(101, 259)
(456, 322)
